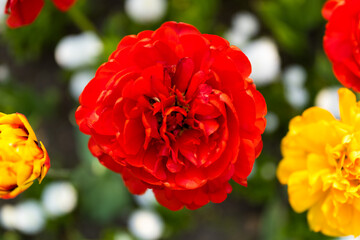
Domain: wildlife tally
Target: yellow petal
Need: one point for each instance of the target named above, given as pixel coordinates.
(347, 103)
(301, 195)
(318, 221)
(317, 166)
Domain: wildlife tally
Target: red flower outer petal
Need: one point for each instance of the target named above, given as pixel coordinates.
(22, 12)
(63, 5)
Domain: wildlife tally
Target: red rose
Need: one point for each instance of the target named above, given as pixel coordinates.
(175, 111)
(24, 12)
(342, 39)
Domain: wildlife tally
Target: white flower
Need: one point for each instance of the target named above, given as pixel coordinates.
(59, 198)
(328, 99)
(2, 15)
(294, 76)
(75, 51)
(4, 73)
(78, 81)
(245, 25)
(145, 224)
(348, 238)
(145, 11)
(235, 38)
(265, 60)
(298, 97)
(8, 216)
(30, 217)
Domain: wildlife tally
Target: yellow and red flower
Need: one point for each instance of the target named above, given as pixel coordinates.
(175, 111)
(22, 158)
(24, 12)
(321, 166)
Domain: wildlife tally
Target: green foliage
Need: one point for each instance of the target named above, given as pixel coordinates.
(291, 22)
(103, 195)
(19, 98)
(280, 223)
(199, 13)
(29, 42)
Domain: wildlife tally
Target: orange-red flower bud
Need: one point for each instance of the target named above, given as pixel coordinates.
(22, 158)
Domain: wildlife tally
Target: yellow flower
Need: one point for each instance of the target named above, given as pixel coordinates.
(321, 166)
(22, 158)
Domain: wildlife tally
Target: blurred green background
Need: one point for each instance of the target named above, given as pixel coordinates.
(41, 77)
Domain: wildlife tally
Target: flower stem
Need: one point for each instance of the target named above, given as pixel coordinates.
(81, 20)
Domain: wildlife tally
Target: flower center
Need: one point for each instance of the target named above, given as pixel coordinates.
(347, 159)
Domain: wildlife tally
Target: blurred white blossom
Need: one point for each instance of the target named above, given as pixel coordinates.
(294, 76)
(2, 15)
(30, 217)
(297, 97)
(4, 73)
(8, 216)
(348, 238)
(265, 60)
(59, 198)
(146, 225)
(328, 99)
(27, 217)
(145, 11)
(79, 50)
(244, 26)
(78, 81)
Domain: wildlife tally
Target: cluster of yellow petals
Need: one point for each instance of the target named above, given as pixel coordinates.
(321, 166)
(22, 158)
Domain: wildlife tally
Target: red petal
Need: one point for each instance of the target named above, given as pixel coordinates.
(154, 164)
(197, 79)
(329, 8)
(181, 28)
(241, 61)
(219, 196)
(165, 198)
(104, 124)
(245, 161)
(190, 178)
(197, 48)
(134, 185)
(210, 126)
(22, 12)
(145, 55)
(63, 5)
(184, 71)
(218, 43)
(133, 136)
(108, 162)
(201, 198)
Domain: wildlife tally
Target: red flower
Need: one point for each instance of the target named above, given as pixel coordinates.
(175, 111)
(342, 39)
(24, 12)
